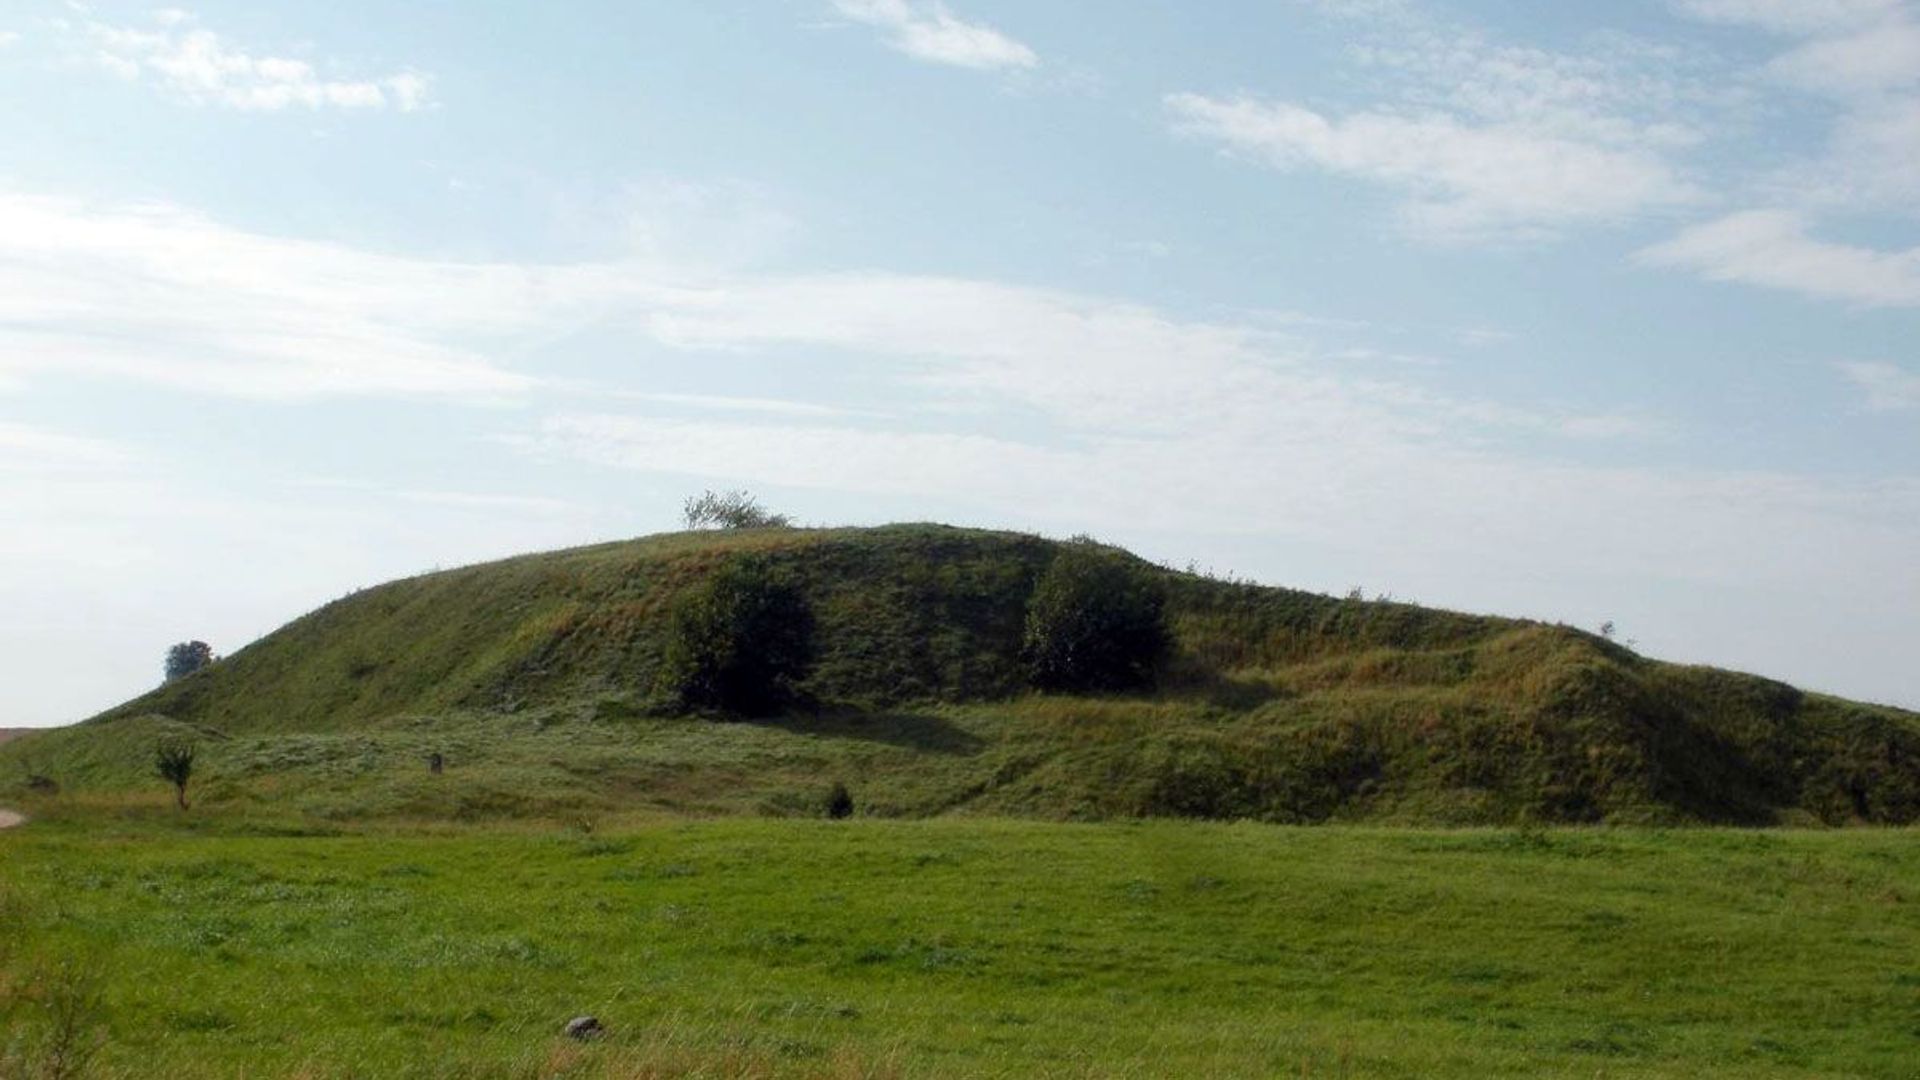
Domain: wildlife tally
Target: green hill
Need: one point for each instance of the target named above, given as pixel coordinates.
(533, 677)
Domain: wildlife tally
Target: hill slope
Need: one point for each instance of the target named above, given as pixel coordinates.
(532, 676)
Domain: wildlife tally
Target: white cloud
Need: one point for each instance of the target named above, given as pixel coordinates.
(25, 448)
(1879, 58)
(1873, 159)
(1794, 16)
(928, 31)
(1463, 180)
(1485, 139)
(155, 294)
(1619, 90)
(198, 66)
(8, 37)
(1771, 248)
(1366, 10)
(1862, 57)
(715, 226)
(1889, 387)
(730, 403)
(475, 501)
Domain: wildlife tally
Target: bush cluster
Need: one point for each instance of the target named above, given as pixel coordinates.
(739, 642)
(1096, 623)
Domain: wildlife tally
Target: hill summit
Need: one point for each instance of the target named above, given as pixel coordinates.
(536, 680)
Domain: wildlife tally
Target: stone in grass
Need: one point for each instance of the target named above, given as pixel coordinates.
(584, 1028)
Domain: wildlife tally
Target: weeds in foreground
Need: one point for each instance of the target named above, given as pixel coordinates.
(65, 1031)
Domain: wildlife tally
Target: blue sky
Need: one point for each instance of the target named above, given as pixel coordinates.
(1576, 312)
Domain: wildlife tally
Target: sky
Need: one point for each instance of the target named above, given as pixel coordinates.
(1586, 313)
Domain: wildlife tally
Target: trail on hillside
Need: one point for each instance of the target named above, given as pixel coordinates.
(8, 819)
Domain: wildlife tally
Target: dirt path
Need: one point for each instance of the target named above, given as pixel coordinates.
(8, 819)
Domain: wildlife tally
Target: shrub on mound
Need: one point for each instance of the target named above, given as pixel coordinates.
(1095, 622)
(739, 642)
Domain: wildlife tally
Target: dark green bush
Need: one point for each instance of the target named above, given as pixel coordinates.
(187, 657)
(740, 642)
(839, 802)
(1096, 622)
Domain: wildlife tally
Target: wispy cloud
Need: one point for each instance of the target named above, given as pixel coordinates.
(735, 404)
(157, 294)
(1484, 140)
(1848, 46)
(929, 31)
(198, 66)
(1889, 387)
(1794, 16)
(1771, 248)
(718, 225)
(1875, 59)
(8, 37)
(1861, 57)
(153, 293)
(1463, 180)
(26, 448)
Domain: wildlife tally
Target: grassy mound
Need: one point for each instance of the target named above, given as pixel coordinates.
(534, 678)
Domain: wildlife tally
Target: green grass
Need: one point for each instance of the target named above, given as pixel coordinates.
(228, 944)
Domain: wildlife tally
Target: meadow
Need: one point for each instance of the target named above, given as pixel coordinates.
(250, 944)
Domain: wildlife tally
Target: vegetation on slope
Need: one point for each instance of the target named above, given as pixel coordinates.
(538, 678)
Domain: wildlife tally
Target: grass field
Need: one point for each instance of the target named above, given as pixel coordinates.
(228, 946)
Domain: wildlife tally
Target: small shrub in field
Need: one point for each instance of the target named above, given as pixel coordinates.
(739, 642)
(68, 1001)
(839, 802)
(1095, 622)
(174, 762)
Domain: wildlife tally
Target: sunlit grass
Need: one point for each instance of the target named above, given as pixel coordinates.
(230, 945)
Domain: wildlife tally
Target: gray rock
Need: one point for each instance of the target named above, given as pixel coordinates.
(584, 1028)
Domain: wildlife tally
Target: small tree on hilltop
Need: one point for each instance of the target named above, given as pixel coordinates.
(187, 657)
(738, 642)
(730, 510)
(1095, 622)
(174, 762)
